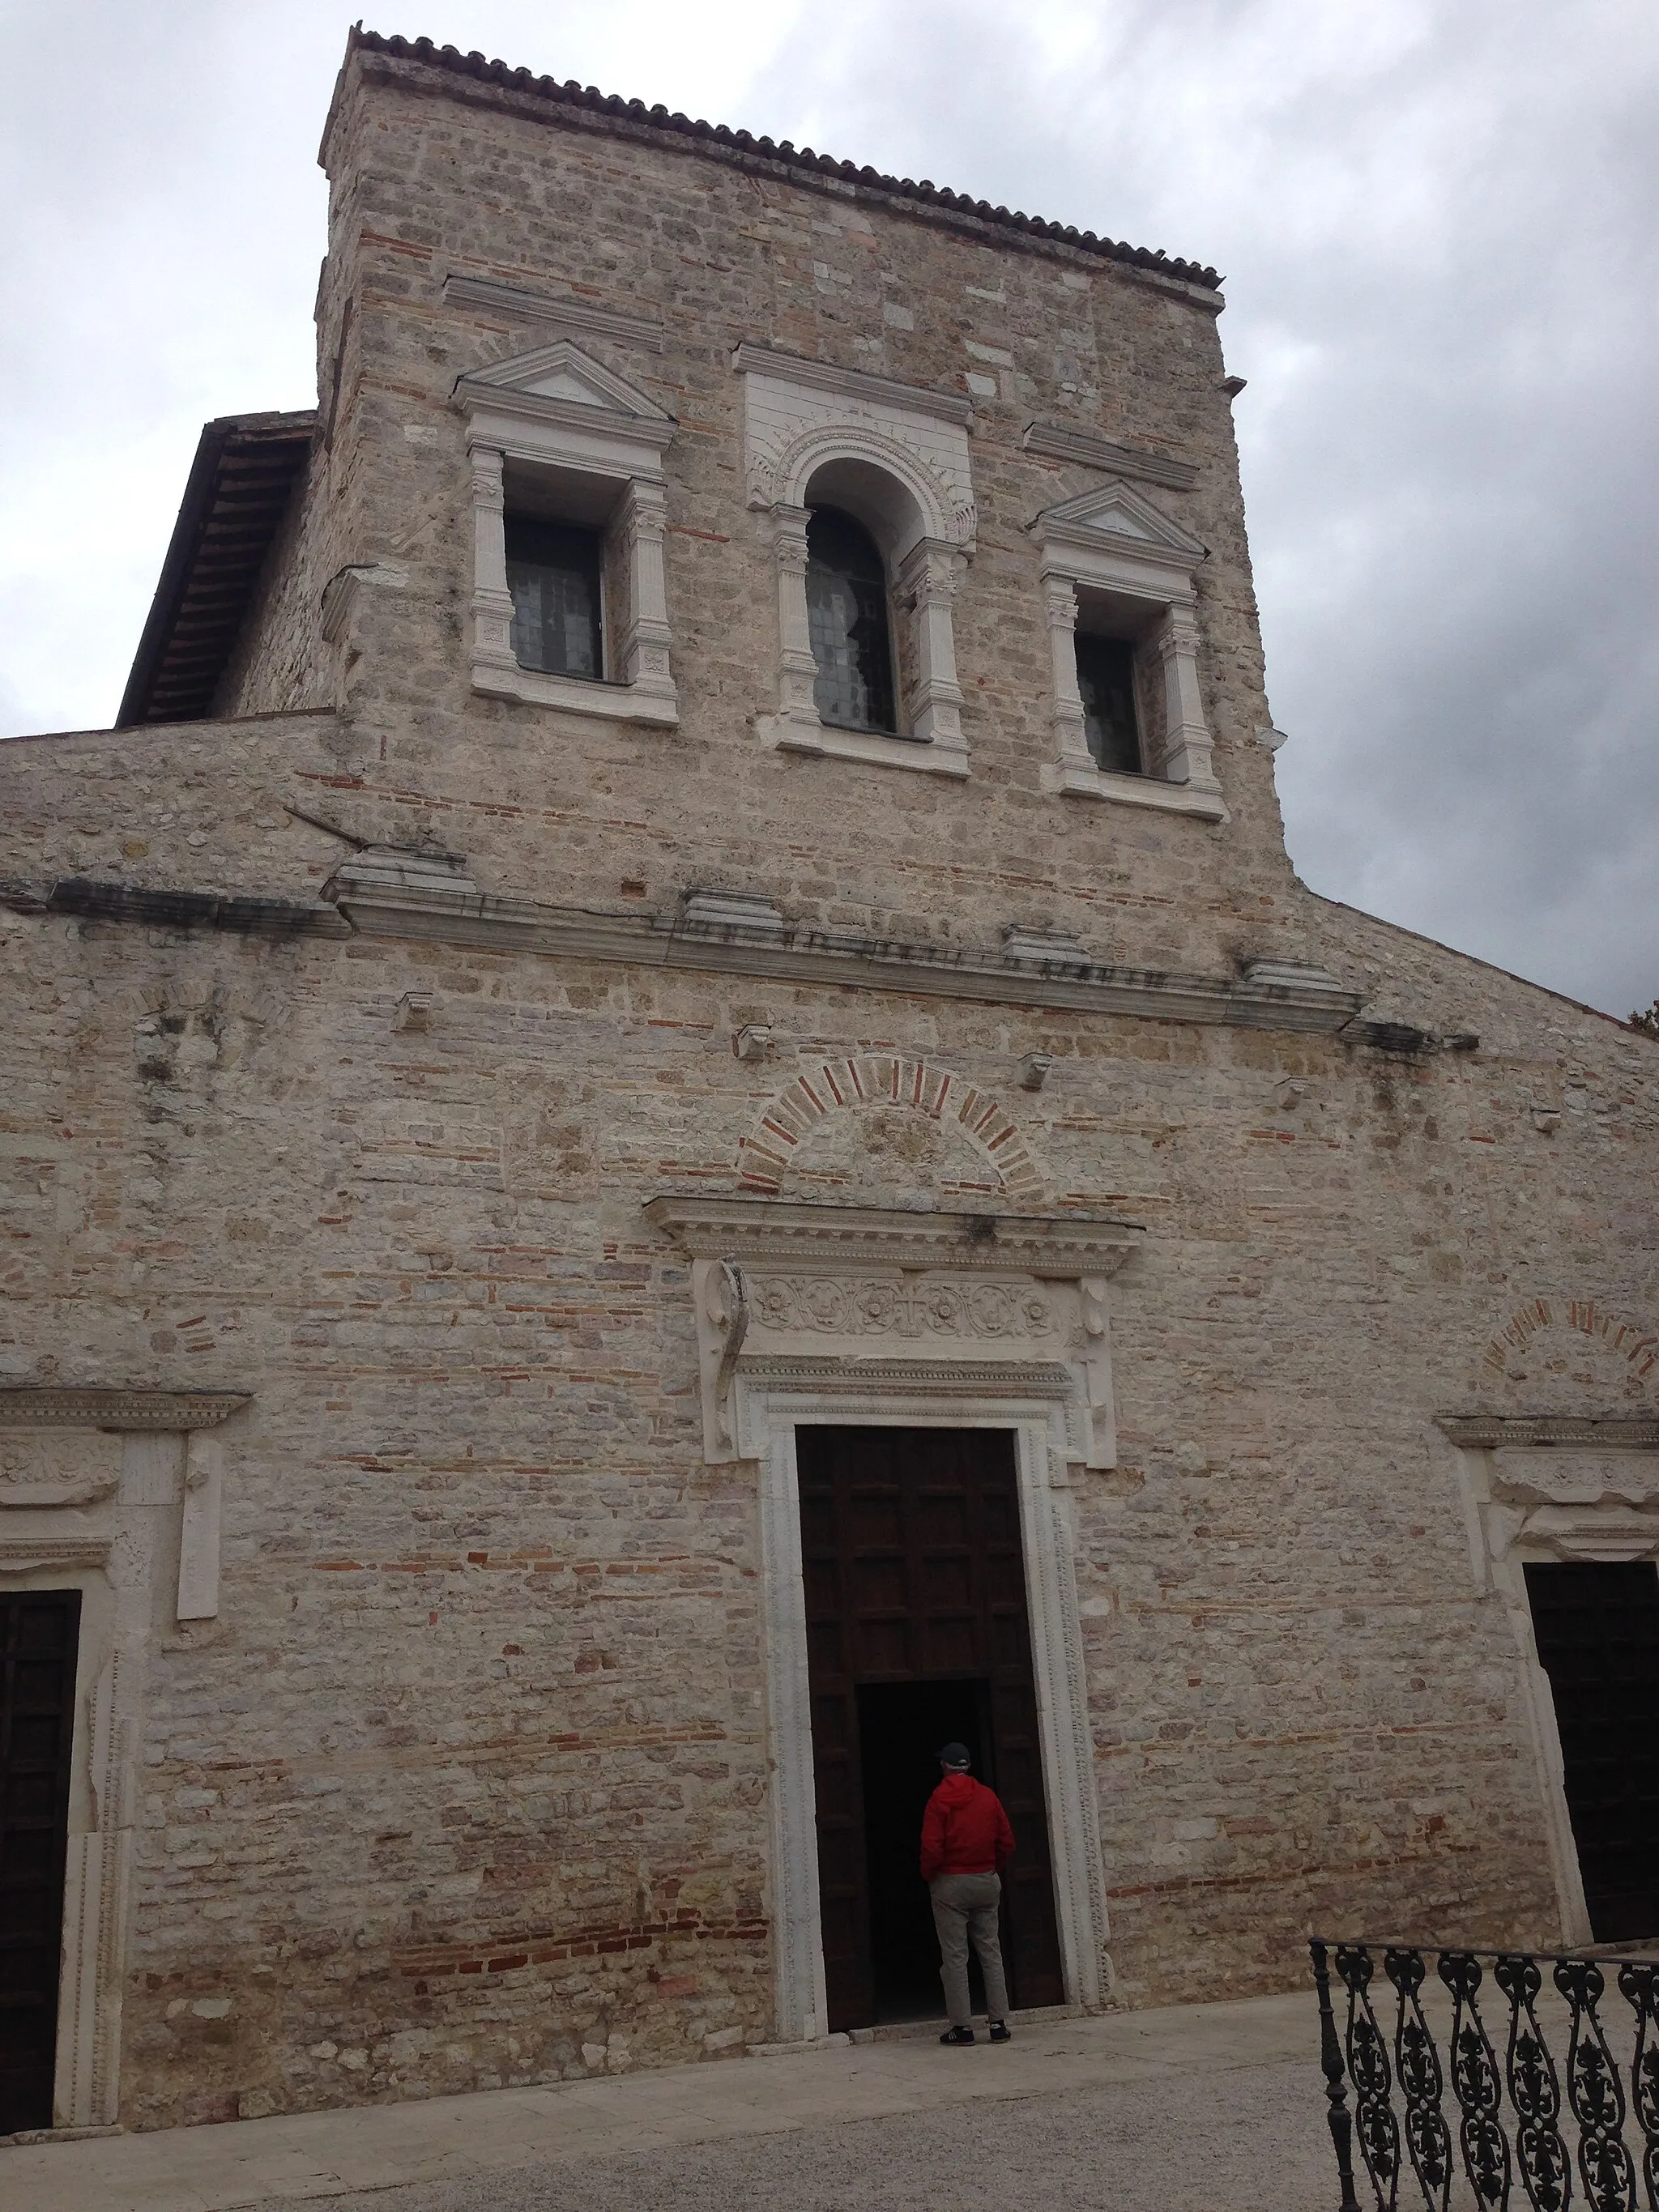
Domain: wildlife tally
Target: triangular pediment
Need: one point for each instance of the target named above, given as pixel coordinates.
(1116, 511)
(562, 372)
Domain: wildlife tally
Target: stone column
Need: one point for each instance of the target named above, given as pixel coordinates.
(492, 603)
(1060, 604)
(927, 586)
(797, 669)
(644, 525)
(1186, 756)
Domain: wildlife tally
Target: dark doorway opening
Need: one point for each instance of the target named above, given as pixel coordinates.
(901, 1728)
(1597, 1629)
(916, 1633)
(39, 1633)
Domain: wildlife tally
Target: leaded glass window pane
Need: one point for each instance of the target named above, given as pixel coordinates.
(1106, 680)
(847, 618)
(553, 574)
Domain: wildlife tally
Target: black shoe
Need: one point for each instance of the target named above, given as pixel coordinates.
(960, 2035)
(999, 2032)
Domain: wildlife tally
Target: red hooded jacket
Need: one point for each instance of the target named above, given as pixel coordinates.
(964, 1830)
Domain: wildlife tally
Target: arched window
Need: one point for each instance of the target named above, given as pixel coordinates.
(846, 621)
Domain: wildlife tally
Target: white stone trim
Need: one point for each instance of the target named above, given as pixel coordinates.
(556, 408)
(1547, 1488)
(1113, 540)
(773, 1406)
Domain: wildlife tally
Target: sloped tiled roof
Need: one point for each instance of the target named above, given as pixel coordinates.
(801, 159)
(237, 493)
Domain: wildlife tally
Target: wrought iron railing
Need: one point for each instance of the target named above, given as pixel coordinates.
(1529, 2127)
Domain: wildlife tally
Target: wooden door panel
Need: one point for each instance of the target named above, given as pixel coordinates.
(914, 1571)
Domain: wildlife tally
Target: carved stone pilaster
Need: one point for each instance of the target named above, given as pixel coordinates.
(928, 580)
(1187, 749)
(645, 648)
(1071, 737)
(797, 669)
(492, 603)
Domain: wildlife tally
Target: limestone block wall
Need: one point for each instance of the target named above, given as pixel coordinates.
(467, 1783)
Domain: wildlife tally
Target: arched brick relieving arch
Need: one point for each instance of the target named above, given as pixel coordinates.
(1638, 1346)
(863, 1079)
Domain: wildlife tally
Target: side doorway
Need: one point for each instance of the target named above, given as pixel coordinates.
(917, 1632)
(39, 1636)
(1596, 1627)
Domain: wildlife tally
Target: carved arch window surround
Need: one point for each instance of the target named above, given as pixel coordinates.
(1114, 566)
(895, 457)
(555, 437)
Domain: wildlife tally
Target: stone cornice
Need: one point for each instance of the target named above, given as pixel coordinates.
(123, 1410)
(569, 314)
(851, 383)
(398, 895)
(1059, 443)
(784, 1231)
(488, 406)
(1503, 1431)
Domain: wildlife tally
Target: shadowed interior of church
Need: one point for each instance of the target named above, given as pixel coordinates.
(902, 1726)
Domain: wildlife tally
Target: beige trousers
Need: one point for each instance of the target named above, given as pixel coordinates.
(964, 1906)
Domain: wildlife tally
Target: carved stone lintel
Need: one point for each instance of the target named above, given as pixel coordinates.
(1492, 1431)
(968, 1306)
(126, 1410)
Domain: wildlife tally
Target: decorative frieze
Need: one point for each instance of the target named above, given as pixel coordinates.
(849, 1289)
(28, 1407)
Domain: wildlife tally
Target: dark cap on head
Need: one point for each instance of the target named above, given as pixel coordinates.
(955, 1755)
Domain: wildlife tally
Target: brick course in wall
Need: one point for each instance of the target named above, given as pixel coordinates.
(467, 1780)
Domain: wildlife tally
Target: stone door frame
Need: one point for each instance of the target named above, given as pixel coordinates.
(773, 1411)
(1549, 1486)
(863, 1317)
(135, 1528)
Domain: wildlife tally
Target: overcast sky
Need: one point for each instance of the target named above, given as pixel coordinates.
(1437, 221)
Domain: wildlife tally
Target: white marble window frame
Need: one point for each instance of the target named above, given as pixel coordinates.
(801, 416)
(1160, 586)
(624, 454)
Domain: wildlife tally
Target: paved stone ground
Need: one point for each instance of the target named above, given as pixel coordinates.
(1197, 2107)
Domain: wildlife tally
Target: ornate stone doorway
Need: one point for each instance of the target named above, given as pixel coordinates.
(914, 1581)
(813, 1316)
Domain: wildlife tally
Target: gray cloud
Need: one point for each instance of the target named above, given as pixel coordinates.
(1436, 220)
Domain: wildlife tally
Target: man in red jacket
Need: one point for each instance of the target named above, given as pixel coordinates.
(966, 1842)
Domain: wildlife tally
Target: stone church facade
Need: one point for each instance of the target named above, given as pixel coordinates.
(601, 1234)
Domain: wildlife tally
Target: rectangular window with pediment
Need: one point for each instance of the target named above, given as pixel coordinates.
(569, 600)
